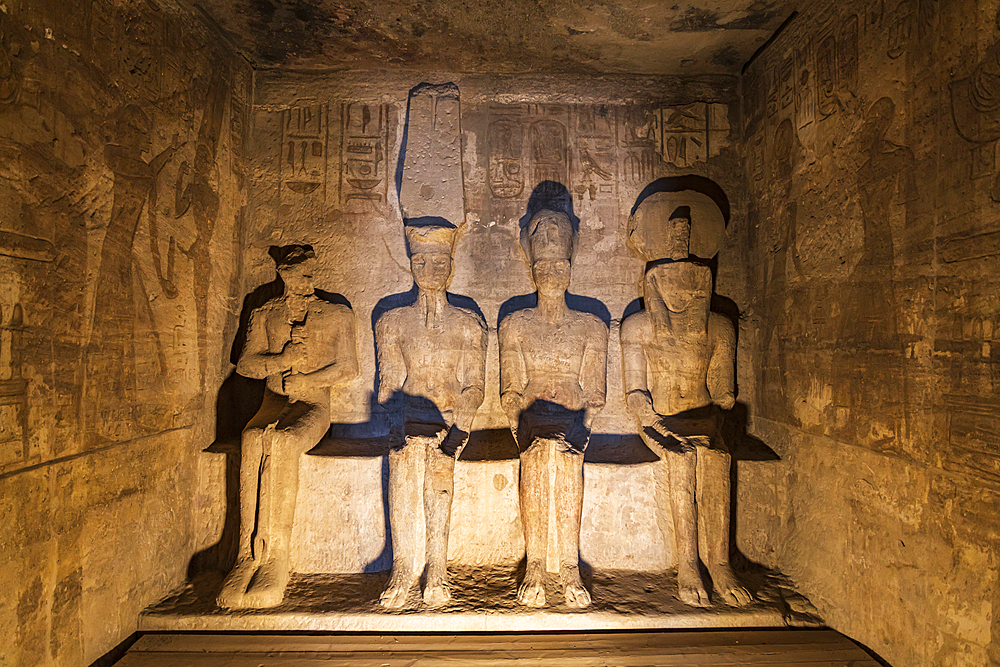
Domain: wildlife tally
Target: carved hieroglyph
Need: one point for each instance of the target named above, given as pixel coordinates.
(432, 365)
(678, 363)
(302, 345)
(553, 369)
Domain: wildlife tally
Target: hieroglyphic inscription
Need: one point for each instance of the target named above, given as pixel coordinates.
(826, 75)
(693, 132)
(899, 28)
(786, 83)
(973, 425)
(506, 148)
(639, 130)
(847, 55)
(304, 148)
(771, 75)
(805, 95)
(13, 388)
(757, 157)
(528, 144)
(548, 151)
(364, 168)
(594, 151)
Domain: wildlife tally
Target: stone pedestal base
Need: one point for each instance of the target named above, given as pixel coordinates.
(483, 600)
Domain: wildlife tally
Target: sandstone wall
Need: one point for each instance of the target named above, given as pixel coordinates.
(872, 327)
(121, 195)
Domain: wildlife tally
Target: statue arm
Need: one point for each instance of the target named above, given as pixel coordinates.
(637, 396)
(722, 367)
(594, 370)
(391, 365)
(474, 382)
(255, 361)
(343, 366)
(122, 164)
(513, 374)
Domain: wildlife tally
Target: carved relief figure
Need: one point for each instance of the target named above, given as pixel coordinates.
(432, 365)
(110, 352)
(553, 368)
(301, 345)
(975, 104)
(785, 157)
(678, 366)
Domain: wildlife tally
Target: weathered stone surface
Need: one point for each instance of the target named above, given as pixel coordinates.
(121, 190)
(484, 601)
(432, 185)
(871, 142)
(697, 36)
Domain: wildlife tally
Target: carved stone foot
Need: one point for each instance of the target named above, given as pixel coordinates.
(575, 592)
(532, 590)
(395, 594)
(436, 595)
(728, 586)
(234, 588)
(690, 587)
(267, 588)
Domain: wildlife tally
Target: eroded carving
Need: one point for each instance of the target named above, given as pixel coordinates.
(364, 146)
(432, 366)
(693, 133)
(432, 184)
(302, 345)
(553, 364)
(678, 364)
(13, 387)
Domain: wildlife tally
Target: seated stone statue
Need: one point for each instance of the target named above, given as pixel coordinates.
(302, 345)
(432, 365)
(553, 368)
(678, 363)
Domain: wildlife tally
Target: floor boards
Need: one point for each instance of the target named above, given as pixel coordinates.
(771, 647)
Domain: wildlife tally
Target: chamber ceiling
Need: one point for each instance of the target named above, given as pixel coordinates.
(503, 36)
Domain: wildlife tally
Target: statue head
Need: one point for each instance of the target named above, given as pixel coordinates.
(547, 241)
(430, 248)
(683, 287)
(676, 224)
(296, 264)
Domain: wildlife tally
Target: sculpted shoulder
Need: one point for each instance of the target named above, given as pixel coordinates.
(720, 329)
(517, 320)
(636, 327)
(594, 324)
(331, 311)
(266, 309)
(468, 319)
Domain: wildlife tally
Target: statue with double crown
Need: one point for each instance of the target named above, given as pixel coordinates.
(432, 367)
(678, 365)
(553, 370)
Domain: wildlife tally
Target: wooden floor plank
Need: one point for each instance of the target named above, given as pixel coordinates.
(766, 648)
(353, 642)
